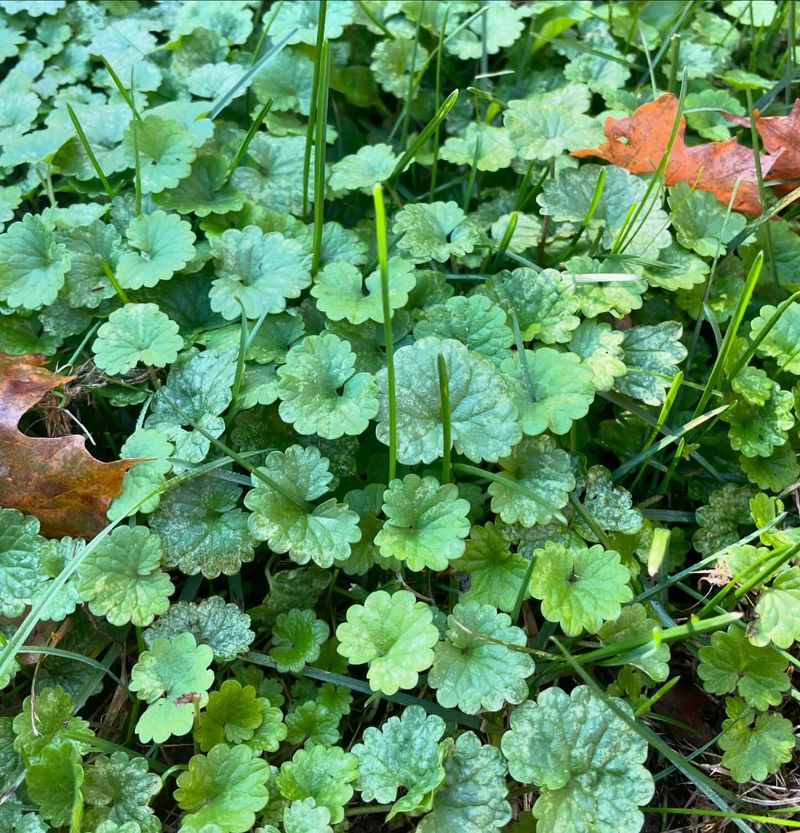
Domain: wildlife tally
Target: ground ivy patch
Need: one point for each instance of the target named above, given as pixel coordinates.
(440, 477)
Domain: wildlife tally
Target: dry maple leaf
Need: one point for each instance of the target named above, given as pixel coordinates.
(781, 138)
(52, 478)
(638, 143)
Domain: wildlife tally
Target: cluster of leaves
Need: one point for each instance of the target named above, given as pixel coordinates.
(404, 514)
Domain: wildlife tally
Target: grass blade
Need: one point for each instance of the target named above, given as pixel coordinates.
(444, 400)
(225, 99)
(126, 95)
(730, 334)
(383, 263)
(89, 152)
(319, 156)
(257, 121)
(424, 134)
(312, 112)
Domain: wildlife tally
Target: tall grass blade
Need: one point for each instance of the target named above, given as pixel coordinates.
(383, 263)
(225, 99)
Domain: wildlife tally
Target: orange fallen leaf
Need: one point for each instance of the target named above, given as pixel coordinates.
(781, 137)
(55, 479)
(638, 143)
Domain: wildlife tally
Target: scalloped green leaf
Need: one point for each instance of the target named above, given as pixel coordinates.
(579, 588)
(496, 575)
(202, 528)
(320, 391)
(434, 231)
(256, 272)
(166, 151)
(283, 517)
(133, 334)
(223, 627)
(551, 389)
(732, 664)
(225, 788)
(483, 417)
(474, 320)
(752, 751)
(323, 773)
(426, 523)
(122, 577)
(477, 667)
(171, 677)
(404, 753)
(544, 471)
(296, 639)
(473, 796)
(32, 264)
(586, 761)
(394, 634)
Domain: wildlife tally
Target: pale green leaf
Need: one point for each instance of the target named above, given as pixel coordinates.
(404, 753)
(257, 272)
(483, 417)
(282, 516)
(227, 788)
(122, 577)
(495, 573)
(202, 529)
(579, 588)
(471, 669)
(473, 796)
(586, 761)
(170, 677)
(434, 231)
(296, 639)
(133, 334)
(652, 354)
(32, 264)
(165, 245)
(544, 471)
(223, 627)
(394, 634)
(321, 393)
(426, 523)
(560, 390)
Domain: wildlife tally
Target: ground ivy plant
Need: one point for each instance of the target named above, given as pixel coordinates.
(460, 478)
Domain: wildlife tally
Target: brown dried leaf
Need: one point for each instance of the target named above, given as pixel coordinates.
(781, 137)
(638, 143)
(55, 479)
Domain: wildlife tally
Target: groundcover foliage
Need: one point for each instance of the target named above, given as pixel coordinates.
(447, 480)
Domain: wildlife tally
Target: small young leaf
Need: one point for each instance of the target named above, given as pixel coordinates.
(296, 639)
(394, 634)
(426, 523)
(225, 788)
(133, 334)
(579, 588)
(170, 677)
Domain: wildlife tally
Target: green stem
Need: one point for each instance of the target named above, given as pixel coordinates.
(89, 152)
(113, 281)
(444, 400)
(312, 115)
(262, 114)
(383, 263)
(319, 156)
